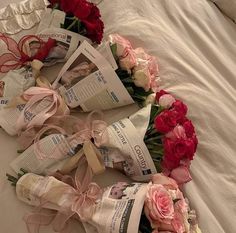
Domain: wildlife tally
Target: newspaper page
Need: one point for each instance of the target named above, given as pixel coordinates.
(14, 83)
(119, 210)
(106, 52)
(50, 145)
(126, 146)
(89, 81)
(9, 117)
(66, 43)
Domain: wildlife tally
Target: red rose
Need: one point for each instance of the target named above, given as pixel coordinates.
(166, 121)
(159, 94)
(82, 9)
(180, 107)
(94, 25)
(195, 141)
(189, 128)
(169, 162)
(67, 6)
(177, 150)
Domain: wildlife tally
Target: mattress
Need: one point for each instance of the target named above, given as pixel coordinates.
(196, 50)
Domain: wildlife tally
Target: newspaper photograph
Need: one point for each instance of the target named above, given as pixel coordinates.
(88, 81)
(119, 209)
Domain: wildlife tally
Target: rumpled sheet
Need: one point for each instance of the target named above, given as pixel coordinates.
(196, 50)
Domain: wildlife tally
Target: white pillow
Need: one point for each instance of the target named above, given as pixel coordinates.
(228, 7)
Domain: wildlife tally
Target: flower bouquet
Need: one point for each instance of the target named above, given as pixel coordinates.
(157, 138)
(155, 207)
(137, 70)
(89, 81)
(82, 17)
(62, 144)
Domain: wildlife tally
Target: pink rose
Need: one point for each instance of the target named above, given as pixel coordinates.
(178, 223)
(155, 231)
(159, 94)
(166, 181)
(147, 68)
(166, 121)
(177, 133)
(123, 46)
(158, 205)
(181, 175)
(166, 101)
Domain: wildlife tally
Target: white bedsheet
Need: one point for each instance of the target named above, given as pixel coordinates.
(196, 50)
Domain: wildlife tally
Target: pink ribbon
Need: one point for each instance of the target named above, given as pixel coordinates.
(17, 57)
(35, 96)
(78, 203)
(77, 133)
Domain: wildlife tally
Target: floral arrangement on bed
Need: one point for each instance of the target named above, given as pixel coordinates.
(70, 151)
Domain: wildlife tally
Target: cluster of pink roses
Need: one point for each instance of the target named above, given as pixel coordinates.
(180, 141)
(167, 209)
(142, 66)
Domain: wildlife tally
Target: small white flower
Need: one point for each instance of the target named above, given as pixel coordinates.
(150, 99)
(166, 101)
(141, 79)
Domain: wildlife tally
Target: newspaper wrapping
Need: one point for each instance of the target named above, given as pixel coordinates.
(119, 209)
(125, 146)
(88, 80)
(56, 150)
(14, 83)
(31, 187)
(66, 43)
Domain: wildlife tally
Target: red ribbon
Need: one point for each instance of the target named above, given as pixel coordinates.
(16, 57)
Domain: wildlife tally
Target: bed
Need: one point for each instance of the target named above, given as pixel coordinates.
(194, 42)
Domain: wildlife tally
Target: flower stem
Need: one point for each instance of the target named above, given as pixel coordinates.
(72, 24)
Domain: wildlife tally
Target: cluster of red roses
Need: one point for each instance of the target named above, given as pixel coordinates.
(179, 140)
(85, 12)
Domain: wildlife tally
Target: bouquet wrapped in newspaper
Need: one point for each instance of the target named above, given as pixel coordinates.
(32, 108)
(62, 144)
(157, 138)
(121, 208)
(82, 17)
(89, 81)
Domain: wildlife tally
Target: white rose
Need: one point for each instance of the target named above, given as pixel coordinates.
(127, 63)
(166, 101)
(150, 99)
(141, 79)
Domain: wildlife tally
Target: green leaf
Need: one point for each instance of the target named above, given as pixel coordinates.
(114, 50)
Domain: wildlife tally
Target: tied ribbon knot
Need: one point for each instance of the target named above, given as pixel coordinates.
(77, 200)
(20, 53)
(76, 132)
(41, 104)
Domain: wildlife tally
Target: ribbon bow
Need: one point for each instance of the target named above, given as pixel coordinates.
(77, 201)
(41, 104)
(19, 53)
(77, 132)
